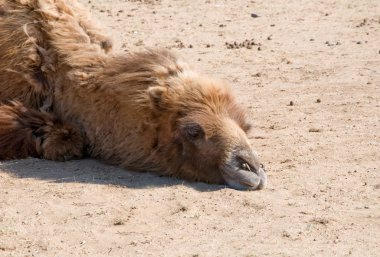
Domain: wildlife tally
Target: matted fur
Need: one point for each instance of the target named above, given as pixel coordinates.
(135, 110)
(25, 132)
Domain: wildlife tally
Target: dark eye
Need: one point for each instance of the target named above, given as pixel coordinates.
(194, 131)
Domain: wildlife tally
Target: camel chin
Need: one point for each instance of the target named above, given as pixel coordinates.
(242, 179)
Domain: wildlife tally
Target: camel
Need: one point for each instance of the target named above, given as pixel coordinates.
(65, 95)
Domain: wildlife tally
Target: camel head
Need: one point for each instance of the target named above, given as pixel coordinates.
(203, 132)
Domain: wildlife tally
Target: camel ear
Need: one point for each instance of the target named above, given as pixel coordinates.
(158, 97)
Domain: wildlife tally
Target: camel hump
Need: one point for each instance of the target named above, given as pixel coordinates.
(39, 38)
(72, 32)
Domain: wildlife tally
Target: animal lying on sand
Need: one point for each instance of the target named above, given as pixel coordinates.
(64, 95)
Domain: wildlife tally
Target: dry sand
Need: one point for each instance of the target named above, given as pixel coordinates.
(313, 92)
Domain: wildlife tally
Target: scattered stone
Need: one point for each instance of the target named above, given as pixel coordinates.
(179, 44)
(291, 103)
(248, 43)
(328, 43)
(118, 222)
(315, 130)
(269, 37)
(139, 43)
(285, 234)
(180, 209)
(318, 100)
(254, 15)
(257, 75)
(363, 23)
(321, 221)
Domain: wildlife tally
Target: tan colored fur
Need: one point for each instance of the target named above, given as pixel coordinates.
(131, 108)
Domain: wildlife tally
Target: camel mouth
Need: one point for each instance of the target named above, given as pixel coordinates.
(245, 177)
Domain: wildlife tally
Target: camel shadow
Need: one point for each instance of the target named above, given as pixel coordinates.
(94, 172)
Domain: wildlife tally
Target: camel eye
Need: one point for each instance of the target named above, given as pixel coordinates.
(194, 131)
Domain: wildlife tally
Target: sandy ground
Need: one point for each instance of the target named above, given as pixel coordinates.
(311, 82)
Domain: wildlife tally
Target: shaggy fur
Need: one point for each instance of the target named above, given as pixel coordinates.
(25, 132)
(144, 111)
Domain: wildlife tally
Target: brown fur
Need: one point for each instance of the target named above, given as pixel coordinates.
(25, 132)
(144, 111)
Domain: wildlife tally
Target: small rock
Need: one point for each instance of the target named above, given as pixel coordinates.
(257, 75)
(318, 100)
(118, 222)
(254, 15)
(291, 103)
(315, 130)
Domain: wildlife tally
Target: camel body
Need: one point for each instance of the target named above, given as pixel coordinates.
(144, 111)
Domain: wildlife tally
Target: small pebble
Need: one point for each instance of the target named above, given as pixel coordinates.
(315, 130)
